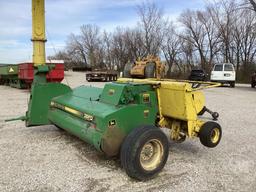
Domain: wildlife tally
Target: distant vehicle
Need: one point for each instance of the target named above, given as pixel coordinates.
(101, 75)
(224, 73)
(197, 75)
(147, 67)
(253, 81)
(22, 75)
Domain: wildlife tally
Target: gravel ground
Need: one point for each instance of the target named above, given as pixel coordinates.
(47, 159)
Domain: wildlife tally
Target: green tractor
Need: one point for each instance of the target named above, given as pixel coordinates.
(123, 118)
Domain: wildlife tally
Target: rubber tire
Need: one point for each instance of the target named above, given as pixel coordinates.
(232, 84)
(150, 70)
(205, 134)
(127, 70)
(253, 85)
(131, 147)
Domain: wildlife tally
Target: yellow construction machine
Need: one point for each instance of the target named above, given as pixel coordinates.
(148, 67)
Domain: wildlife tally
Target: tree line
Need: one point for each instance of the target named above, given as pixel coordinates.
(223, 31)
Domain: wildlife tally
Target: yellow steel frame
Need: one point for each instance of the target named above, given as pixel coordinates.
(38, 32)
(178, 104)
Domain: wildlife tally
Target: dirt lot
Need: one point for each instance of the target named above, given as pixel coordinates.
(47, 159)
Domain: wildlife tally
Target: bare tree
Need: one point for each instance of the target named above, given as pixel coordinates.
(247, 28)
(90, 36)
(135, 44)
(223, 14)
(107, 49)
(171, 47)
(76, 50)
(152, 24)
(212, 35)
(195, 34)
(253, 3)
(119, 48)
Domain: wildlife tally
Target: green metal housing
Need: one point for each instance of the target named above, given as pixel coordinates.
(103, 117)
(39, 103)
(9, 70)
(9, 76)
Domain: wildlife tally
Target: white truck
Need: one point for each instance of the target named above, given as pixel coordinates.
(224, 73)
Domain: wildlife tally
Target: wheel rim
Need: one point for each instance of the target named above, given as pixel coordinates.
(151, 155)
(215, 135)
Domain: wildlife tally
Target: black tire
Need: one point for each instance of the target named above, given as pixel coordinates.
(150, 70)
(131, 152)
(127, 70)
(232, 84)
(210, 134)
(253, 85)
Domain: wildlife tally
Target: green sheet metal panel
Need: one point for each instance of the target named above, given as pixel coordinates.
(39, 104)
(82, 129)
(119, 93)
(113, 93)
(87, 92)
(110, 123)
(85, 99)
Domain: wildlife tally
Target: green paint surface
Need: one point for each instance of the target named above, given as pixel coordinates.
(117, 109)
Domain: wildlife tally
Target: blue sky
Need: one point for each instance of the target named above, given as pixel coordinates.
(66, 16)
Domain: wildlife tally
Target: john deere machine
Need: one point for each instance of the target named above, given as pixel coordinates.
(9, 76)
(123, 118)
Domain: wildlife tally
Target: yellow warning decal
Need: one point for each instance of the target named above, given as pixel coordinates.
(111, 91)
(11, 70)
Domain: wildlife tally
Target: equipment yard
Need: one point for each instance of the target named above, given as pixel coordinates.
(45, 158)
